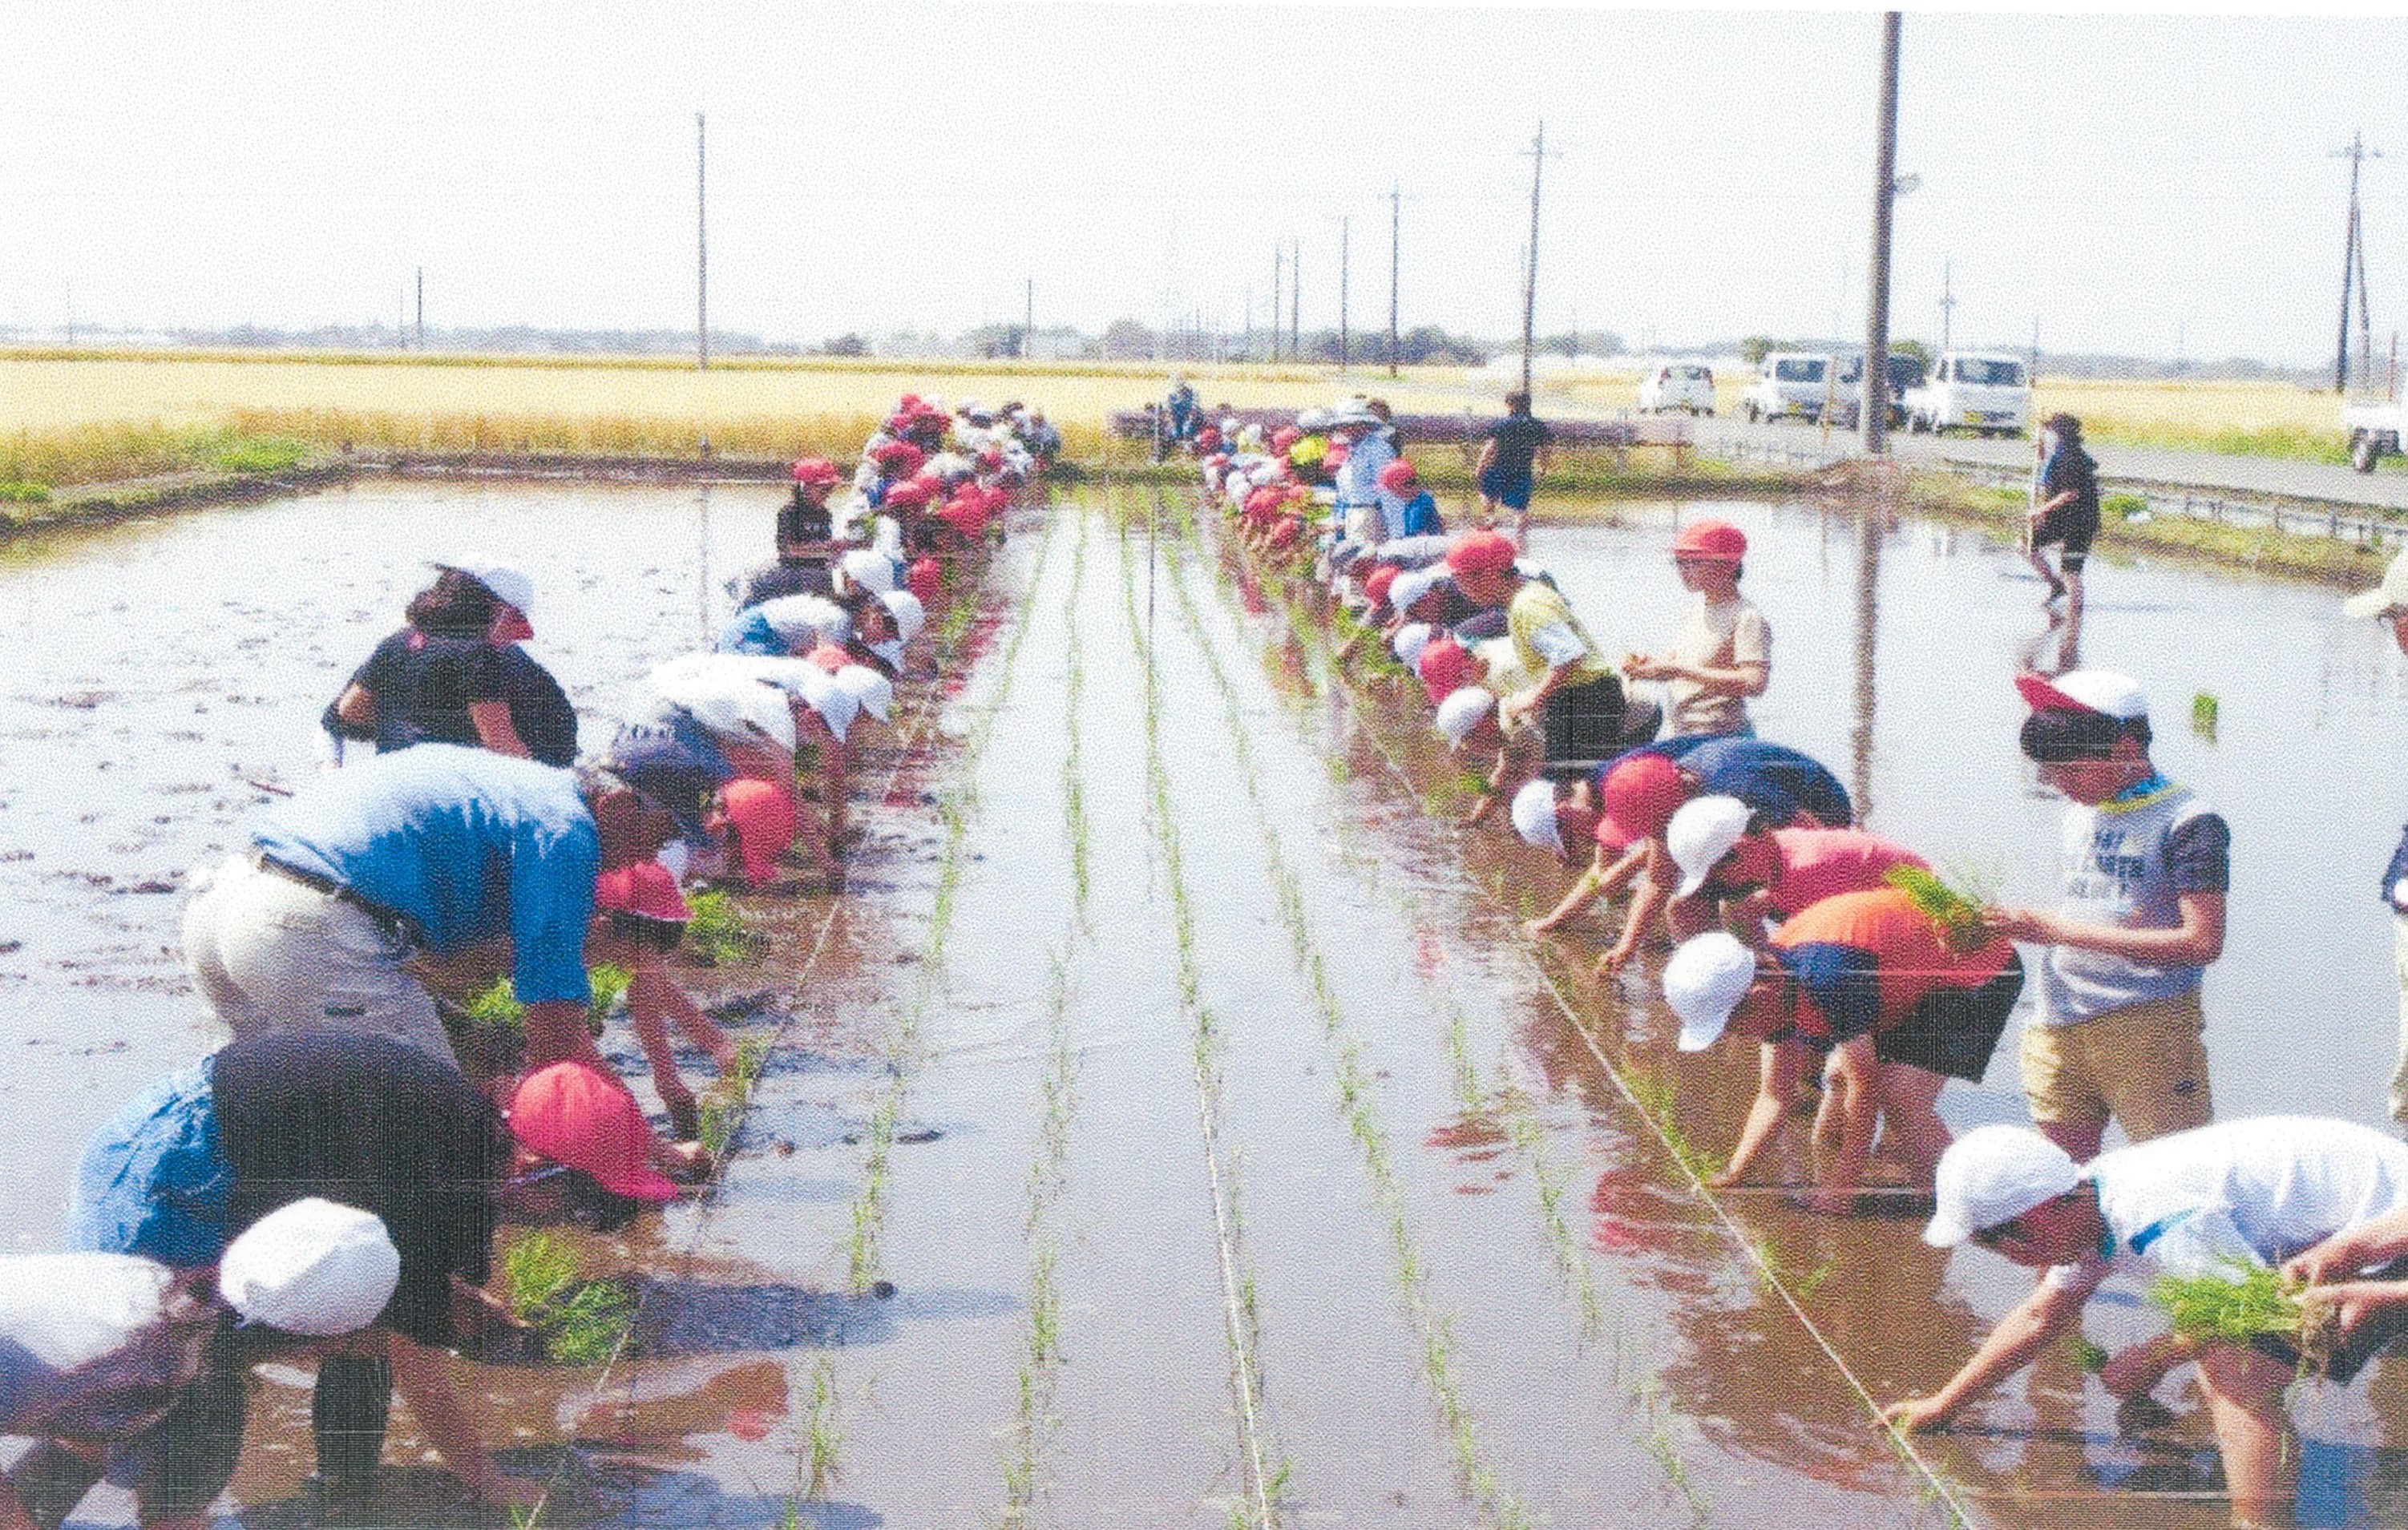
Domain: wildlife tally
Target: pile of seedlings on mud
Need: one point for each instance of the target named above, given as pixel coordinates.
(578, 1322)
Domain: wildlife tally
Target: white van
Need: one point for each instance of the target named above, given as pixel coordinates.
(1978, 391)
(1677, 385)
(1789, 382)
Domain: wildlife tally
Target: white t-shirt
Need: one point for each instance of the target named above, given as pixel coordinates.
(2255, 1192)
(1721, 636)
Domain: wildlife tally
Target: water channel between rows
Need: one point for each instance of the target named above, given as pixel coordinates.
(1243, 1161)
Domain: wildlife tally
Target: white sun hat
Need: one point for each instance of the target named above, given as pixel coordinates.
(873, 691)
(1701, 835)
(1408, 642)
(1995, 1174)
(909, 615)
(508, 583)
(2385, 598)
(1703, 982)
(2100, 691)
(867, 569)
(1534, 816)
(1461, 712)
(313, 1267)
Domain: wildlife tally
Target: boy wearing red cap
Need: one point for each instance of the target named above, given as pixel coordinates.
(1722, 653)
(1410, 509)
(1577, 699)
(2146, 870)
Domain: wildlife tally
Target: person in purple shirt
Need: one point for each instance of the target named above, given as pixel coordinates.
(458, 857)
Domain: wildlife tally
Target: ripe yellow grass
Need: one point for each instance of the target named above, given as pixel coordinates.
(2248, 419)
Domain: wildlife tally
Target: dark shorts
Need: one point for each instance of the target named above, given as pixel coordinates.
(1953, 1031)
(1584, 721)
(1510, 490)
(2070, 528)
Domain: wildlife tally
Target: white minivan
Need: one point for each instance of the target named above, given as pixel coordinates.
(1987, 392)
(1789, 382)
(1677, 385)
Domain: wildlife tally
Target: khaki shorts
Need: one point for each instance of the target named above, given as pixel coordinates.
(2146, 1065)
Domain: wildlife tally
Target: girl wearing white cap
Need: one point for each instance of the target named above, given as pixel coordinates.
(454, 675)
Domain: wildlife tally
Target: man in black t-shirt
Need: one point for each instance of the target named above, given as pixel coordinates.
(2065, 508)
(1513, 452)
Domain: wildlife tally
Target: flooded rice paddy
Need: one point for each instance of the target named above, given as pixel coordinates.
(1170, 1125)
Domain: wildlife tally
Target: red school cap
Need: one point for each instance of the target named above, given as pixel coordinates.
(1446, 666)
(1398, 477)
(815, 470)
(926, 578)
(1480, 552)
(1383, 580)
(646, 889)
(581, 1117)
(1641, 794)
(1715, 541)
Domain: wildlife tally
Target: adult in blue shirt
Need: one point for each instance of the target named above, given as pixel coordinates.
(476, 861)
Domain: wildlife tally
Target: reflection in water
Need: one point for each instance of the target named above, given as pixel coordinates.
(1871, 520)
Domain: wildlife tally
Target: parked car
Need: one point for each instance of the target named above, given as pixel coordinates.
(2375, 427)
(1975, 391)
(1788, 382)
(1847, 406)
(1677, 385)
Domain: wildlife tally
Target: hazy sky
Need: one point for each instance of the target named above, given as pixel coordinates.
(876, 166)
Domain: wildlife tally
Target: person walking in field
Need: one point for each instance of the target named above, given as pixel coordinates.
(1513, 452)
(2146, 867)
(2065, 509)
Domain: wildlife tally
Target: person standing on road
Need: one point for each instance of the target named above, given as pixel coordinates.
(2145, 867)
(2065, 510)
(2388, 603)
(1723, 653)
(1513, 452)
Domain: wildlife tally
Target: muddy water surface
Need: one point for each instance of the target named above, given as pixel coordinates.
(1329, 1205)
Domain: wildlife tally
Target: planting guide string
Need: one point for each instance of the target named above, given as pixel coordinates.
(1234, 1290)
(1524, 1132)
(908, 751)
(1937, 1484)
(1499, 1505)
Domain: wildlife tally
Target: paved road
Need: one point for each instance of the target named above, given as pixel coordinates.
(2386, 488)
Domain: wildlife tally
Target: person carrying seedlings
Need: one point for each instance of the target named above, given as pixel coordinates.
(2065, 506)
(439, 863)
(2388, 603)
(1722, 653)
(2120, 1031)
(1513, 452)
(455, 674)
(366, 1121)
(1627, 803)
(1893, 1002)
(122, 1366)
(2221, 1203)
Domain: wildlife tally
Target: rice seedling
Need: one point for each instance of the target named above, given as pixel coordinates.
(823, 1432)
(717, 935)
(1257, 1509)
(1956, 910)
(2204, 709)
(2089, 1356)
(583, 1322)
(2238, 1303)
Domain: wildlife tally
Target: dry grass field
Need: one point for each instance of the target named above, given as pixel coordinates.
(79, 418)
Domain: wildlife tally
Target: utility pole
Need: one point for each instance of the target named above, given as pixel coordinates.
(1396, 228)
(1947, 302)
(1279, 285)
(1875, 417)
(2033, 376)
(1531, 270)
(1295, 298)
(2353, 260)
(701, 251)
(422, 307)
(1029, 320)
(1345, 234)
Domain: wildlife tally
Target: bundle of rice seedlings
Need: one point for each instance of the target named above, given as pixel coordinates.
(583, 1321)
(717, 934)
(1957, 907)
(500, 1005)
(2242, 1303)
(497, 1005)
